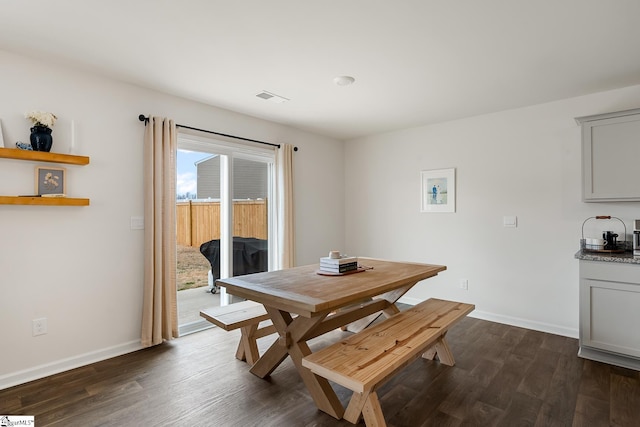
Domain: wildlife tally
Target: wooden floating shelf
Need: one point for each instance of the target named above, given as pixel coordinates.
(42, 156)
(43, 201)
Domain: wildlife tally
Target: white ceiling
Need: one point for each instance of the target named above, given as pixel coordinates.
(415, 61)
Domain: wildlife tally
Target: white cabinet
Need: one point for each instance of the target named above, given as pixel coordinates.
(610, 313)
(610, 153)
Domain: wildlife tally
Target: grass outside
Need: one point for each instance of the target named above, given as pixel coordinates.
(191, 269)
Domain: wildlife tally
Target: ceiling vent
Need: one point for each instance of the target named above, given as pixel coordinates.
(271, 97)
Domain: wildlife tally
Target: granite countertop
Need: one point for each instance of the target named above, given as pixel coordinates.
(625, 257)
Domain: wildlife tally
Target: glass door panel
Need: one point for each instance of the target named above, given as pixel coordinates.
(222, 215)
(250, 217)
(197, 228)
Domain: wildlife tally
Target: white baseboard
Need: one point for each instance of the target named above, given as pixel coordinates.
(41, 371)
(526, 323)
(513, 321)
(409, 300)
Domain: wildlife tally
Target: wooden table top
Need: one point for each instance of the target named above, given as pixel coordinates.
(302, 291)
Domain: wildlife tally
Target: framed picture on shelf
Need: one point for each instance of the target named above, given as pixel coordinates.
(438, 190)
(51, 181)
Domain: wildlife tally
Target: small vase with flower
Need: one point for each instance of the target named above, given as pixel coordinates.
(41, 139)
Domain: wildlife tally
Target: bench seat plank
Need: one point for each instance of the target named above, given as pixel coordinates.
(370, 357)
(237, 315)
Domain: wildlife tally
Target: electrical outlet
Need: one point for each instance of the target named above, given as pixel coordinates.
(464, 284)
(39, 326)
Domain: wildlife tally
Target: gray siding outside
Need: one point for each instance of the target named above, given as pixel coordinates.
(249, 179)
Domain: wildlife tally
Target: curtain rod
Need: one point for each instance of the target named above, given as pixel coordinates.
(144, 119)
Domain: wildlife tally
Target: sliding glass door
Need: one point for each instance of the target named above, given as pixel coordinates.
(224, 215)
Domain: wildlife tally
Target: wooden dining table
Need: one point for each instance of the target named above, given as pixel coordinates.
(303, 304)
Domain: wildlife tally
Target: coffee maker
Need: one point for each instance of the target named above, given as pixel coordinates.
(636, 238)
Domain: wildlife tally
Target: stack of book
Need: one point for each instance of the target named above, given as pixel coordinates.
(338, 265)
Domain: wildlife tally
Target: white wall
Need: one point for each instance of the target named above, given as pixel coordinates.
(523, 162)
(81, 267)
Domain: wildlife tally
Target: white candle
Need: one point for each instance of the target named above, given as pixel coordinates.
(73, 136)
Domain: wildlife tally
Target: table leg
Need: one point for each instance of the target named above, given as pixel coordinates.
(392, 297)
(289, 333)
(323, 395)
(292, 343)
(276, 354)
(269, 361)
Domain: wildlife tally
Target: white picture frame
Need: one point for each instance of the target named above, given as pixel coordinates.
(1, 137)
(438, 190)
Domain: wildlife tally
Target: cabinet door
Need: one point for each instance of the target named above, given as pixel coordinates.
(610, 154)
(612, 316)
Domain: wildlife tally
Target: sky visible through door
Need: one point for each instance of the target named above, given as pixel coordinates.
(186, 171)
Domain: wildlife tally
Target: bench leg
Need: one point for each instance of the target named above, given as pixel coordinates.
(248, 347)
(366, 405)
(354, 408)
(372, 412)
(441, 348)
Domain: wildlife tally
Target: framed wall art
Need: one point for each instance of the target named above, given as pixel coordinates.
(51, 181)
(438, 190)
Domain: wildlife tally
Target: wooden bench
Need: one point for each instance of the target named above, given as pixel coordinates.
(246, 316)
(367, 359)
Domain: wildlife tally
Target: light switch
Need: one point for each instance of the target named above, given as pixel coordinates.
(137, 223)
(510, 221)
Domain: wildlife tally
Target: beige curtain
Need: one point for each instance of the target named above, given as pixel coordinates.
(159, 309)
(286, 235)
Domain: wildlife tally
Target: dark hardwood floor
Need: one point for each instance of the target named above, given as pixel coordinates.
(504, 376)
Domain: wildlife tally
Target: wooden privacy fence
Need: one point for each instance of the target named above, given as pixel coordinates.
(199, 221)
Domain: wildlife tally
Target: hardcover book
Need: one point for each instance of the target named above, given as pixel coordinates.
(339, 268)
(338, 261)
